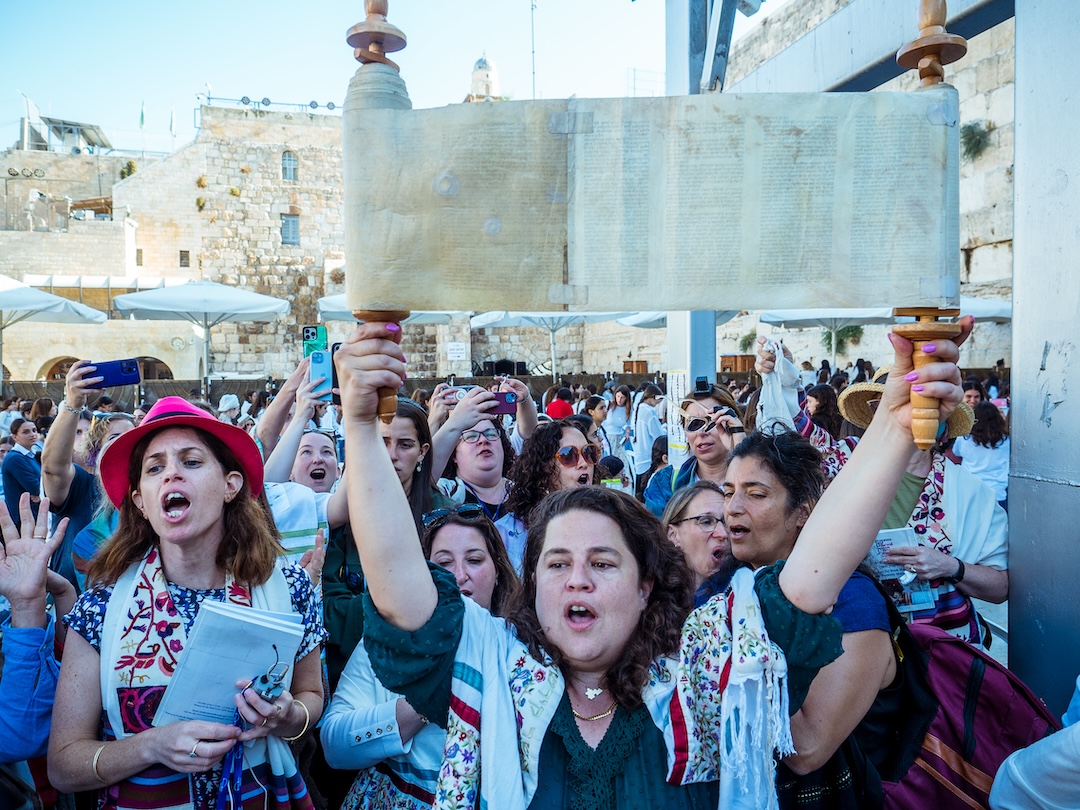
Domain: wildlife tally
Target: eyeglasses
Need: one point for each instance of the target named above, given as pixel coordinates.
(568, 456)
(705, 522)
(465, 511)
(473, 436)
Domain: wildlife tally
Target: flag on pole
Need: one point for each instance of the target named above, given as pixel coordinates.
(142, 116)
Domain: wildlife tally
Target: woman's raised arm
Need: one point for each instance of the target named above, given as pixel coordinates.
(394, 566)
(849, 515)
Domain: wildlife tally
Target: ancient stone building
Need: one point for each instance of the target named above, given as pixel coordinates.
(256, 201)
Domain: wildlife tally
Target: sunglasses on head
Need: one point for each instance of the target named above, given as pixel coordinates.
(465, 511)
(473, 436)
(568, 456)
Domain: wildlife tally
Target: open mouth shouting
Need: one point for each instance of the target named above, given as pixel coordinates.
(580, 616)
(175, 505)
(318, 474)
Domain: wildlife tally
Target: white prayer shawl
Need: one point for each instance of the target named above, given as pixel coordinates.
(685, 697)
(779, 400)
(273, 595)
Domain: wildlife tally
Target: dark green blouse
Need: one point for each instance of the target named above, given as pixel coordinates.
(628, 768)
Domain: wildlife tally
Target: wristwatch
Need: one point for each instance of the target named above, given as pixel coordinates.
(958, 577)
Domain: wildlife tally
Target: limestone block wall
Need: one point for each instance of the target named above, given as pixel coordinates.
(62, 175)
(31, 348)
(94, 247)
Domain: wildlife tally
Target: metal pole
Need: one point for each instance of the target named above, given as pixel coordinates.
(554, 378)
(206, 357)
(532, 20)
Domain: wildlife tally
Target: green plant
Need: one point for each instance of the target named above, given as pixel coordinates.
(975, 138)
(201, 182)
(234, 191)
(747, 341)
(200, 203)
(128, 169)
(844, 336)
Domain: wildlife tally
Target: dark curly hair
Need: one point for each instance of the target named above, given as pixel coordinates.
(792, 459)
(451, 470)
(507, 583)
(536, 472)
(658, 560)
(827, 415)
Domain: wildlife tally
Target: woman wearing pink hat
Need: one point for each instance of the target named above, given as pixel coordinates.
(191, 530)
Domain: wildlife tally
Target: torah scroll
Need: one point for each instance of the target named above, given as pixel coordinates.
(700, 202)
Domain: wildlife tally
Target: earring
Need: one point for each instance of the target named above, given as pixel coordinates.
(419, 463)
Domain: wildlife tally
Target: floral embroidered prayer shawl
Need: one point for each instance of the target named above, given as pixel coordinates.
(142, 640)
(721, 703)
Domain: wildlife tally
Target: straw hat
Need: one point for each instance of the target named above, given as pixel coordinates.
(854, 403)
(177, 412)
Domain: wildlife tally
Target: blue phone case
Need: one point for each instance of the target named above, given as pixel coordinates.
(322, 365)
(117, 372)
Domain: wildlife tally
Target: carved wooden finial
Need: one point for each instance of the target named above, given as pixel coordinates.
(925, 416)
(935, 46)
(375, 37)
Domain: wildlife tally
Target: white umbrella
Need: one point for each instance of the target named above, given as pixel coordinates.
(831, 319)
(552, 321)
(203, 303)
(335, 308)
(21, 302)
(658, 320)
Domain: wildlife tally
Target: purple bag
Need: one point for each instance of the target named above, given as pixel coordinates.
(967, 714)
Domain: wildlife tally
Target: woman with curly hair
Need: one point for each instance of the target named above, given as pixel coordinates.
(614, 696)
(557, 456)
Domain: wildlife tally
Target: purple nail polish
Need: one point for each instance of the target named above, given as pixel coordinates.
(929, 348)
(393, 327)
(404, 359)
(918, 388)
(912, 377)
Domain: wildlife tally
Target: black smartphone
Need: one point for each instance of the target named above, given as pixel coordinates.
(507, 402)
(335, 397)
(117, 372)
(735, 428)
(314, 338)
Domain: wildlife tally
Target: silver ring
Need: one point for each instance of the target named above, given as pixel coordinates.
(911, 568)
(193, 755)
(263, 723)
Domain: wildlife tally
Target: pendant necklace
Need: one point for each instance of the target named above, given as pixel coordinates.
(592, 694)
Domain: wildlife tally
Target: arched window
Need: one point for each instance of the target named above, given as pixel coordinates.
(289, 164)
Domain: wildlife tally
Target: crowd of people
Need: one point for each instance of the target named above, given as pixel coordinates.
(506, 610)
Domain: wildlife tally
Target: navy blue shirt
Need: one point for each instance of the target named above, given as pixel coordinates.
(21, 473)
(82, 501)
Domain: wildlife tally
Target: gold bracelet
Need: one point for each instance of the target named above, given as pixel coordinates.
(97, 755)
(307, 721)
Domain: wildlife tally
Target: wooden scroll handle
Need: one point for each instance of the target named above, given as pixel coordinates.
(925, 416)
(387, 396)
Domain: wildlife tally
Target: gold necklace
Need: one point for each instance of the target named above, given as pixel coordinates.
(601, 716)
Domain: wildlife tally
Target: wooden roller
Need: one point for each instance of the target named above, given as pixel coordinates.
(387, 396)
(925, 415)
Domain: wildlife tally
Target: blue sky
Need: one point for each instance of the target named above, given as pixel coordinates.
(100, 62)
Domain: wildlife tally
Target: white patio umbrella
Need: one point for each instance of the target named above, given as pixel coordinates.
(335, 308)
(658, 320)
(831, 319)
(552, 321)
(203, 303)
(21, 302)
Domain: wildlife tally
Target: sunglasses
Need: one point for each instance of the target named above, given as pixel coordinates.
(701, 424)
(568, 456)
(473, 436)
(465, 511)
(704, 522)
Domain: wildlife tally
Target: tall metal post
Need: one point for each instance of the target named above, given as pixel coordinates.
(1044, 485)
(691, 335)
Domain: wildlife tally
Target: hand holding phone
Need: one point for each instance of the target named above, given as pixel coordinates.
(322, 365)
(507, 402)
(314, 338)
(116, 372)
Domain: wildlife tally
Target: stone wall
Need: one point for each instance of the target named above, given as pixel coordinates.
(95, 247)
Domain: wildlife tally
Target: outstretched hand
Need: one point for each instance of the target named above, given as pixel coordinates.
(24, 561)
